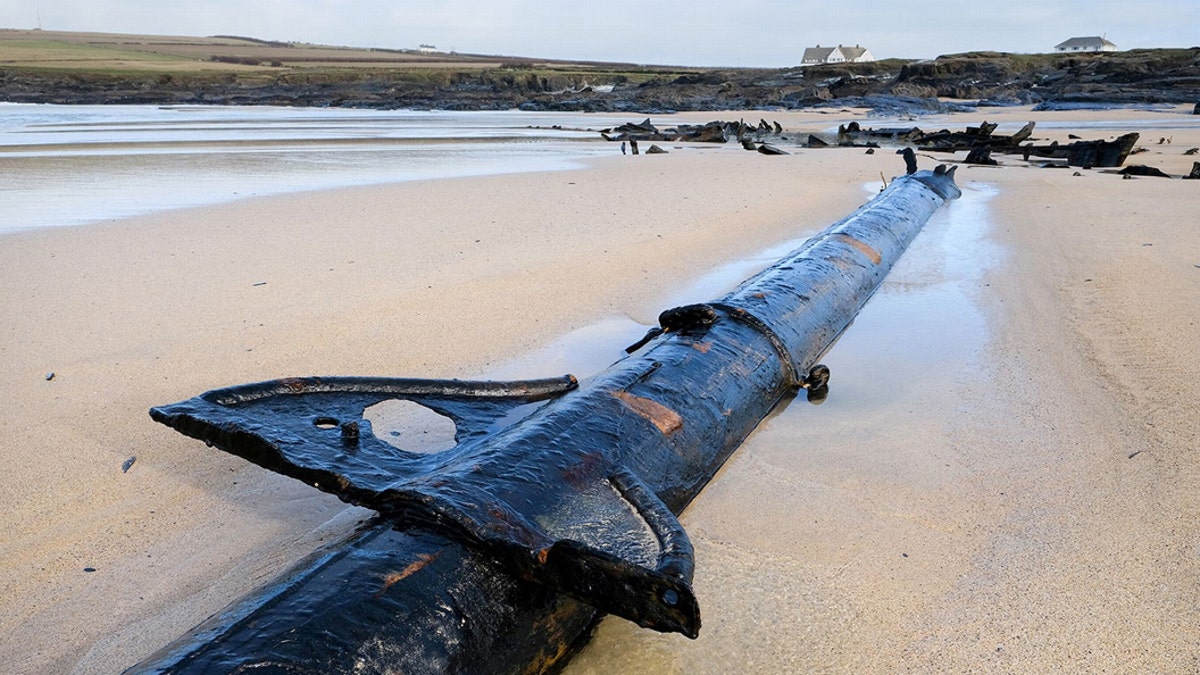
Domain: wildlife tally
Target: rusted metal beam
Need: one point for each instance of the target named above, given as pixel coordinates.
(558, 501)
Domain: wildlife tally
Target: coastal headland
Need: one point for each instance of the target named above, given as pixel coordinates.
(55, 67)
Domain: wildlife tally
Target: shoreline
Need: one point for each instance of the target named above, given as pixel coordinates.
(117, 189)
(151, 310)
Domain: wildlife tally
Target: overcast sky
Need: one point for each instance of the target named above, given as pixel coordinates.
(673, 32)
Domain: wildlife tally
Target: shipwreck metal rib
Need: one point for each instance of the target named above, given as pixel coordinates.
(526, 528)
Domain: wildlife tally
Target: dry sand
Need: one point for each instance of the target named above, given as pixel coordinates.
(1022, 499)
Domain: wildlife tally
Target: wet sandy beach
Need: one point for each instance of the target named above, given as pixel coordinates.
(1002, 479)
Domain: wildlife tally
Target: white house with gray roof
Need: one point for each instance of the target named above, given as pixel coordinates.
(839, 54)
(1086, 44)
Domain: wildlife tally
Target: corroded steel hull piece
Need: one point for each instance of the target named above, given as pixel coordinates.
(559, 499)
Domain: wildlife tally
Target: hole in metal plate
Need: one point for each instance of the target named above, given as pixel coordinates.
(411, 426)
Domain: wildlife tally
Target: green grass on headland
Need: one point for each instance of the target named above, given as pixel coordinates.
(125, 55)
(57, 67)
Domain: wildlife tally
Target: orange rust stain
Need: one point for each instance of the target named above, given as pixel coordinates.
(760, 296)
(421, 561)
(668, 421)
(543, 555)
(871, 253)
(702, 347)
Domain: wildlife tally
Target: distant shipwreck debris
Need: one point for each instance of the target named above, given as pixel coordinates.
(981, 142)
(712, 132)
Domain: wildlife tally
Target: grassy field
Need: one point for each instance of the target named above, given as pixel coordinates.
(95, 52)
(116, 54)
(53, 59)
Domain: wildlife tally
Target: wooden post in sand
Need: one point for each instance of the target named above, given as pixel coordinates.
(519, 537)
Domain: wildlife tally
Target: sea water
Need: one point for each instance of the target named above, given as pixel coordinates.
(73, 165)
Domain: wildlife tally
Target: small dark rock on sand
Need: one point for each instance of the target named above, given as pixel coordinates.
(1143, 170)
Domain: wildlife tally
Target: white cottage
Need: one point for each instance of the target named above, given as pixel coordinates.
(839, 54)
(1086, 44)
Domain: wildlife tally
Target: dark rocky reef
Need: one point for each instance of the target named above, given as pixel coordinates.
(980, 142)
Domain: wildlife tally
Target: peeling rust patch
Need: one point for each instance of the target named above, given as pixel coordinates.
(702, 347)
(395, 577)
(861, 247)
(668, 421)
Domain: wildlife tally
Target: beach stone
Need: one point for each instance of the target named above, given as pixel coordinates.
(1143, 170)
(1195, 174)
(1196, 110)
(655, 150)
